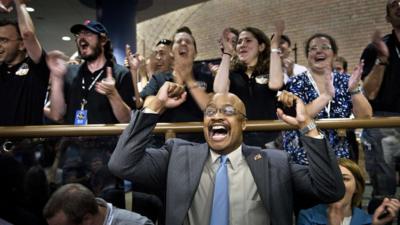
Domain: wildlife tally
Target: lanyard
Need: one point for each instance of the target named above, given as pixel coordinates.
(86, 92)
(398, 52)
(327, 108)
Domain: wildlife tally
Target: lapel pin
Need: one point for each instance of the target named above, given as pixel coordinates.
(257, 157)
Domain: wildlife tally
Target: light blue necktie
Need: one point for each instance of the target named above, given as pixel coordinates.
(220, 204)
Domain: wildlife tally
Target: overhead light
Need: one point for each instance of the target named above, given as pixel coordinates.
(66, 38)
(30, 9)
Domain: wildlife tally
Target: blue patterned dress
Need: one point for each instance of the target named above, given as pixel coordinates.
(341, 107)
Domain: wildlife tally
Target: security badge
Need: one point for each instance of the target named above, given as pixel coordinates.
(22, 70)
(81, 115)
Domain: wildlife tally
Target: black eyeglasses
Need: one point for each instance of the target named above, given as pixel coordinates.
(227, 110)
(164, 42)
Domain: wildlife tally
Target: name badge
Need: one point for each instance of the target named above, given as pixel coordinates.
(81, 117)
(262, 79)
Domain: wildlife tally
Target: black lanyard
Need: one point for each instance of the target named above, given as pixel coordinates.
(86, 90)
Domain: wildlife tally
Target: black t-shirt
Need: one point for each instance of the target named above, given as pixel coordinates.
(23, 91)
(388, 98)
(260, 101)
(188, 111)
(98, 105)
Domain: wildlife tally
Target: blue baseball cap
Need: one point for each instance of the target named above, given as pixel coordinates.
(91, 25)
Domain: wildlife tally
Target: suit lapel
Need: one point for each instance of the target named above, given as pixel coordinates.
(197, 159)
(259, 168)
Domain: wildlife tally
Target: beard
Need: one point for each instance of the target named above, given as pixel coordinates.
(96, 52)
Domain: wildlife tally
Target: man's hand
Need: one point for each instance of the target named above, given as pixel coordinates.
(288, 64)
(107, 85)
(289, 99)
(392, 208)
(133, 60)
(171, 94)
(56, 61)
(380, 46)
(6, 6)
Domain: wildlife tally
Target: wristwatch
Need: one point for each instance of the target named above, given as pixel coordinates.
(308, 128)
(356, 91)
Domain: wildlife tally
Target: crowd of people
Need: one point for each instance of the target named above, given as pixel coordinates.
(225, 175)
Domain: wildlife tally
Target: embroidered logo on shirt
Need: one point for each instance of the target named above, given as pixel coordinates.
(22, 70)
(262, 79)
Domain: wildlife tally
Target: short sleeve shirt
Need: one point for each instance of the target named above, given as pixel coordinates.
(98, 106)
(188, 111)
(22, 92)
(388, 98)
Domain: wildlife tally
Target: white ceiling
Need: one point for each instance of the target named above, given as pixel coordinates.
(53, 18)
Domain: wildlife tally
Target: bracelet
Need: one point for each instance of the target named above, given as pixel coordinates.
(378, 61)
(225, 53)
(308, 128)
(276, 50)
(356, 91)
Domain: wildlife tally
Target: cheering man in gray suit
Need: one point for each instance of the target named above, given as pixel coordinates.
(224, 181)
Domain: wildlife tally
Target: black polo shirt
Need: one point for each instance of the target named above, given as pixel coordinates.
(98, 106)
(388, 98)
(23, 91)
(259, 100)
(188, 111)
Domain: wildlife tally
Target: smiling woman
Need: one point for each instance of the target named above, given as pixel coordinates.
(249, 78)
(327, 94)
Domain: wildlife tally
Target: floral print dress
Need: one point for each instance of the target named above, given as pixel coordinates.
(340, 107)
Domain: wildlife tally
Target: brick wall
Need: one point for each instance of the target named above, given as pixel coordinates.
(350, 22)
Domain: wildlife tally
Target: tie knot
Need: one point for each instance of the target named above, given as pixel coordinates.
(223, 159)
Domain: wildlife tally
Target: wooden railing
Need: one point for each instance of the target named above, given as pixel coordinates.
(171, 128)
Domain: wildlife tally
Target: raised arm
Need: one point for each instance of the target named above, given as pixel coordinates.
(321, 181)
(361, 106)
(373, 81)
(27, 29)
(130, 159)
(275, 65)
(221, 81)
(183, 70)
(56, 62)
(134, 63)
(107, 87)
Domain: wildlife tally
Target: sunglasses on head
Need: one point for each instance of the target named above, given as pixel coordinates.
(164, 42)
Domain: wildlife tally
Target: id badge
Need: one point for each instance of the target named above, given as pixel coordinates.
(81, 117)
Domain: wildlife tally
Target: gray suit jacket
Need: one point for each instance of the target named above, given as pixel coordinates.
(177, 166)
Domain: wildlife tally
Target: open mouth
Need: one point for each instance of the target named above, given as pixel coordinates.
(218, 132)
(320, 58)
(83, 44)
(183, 52)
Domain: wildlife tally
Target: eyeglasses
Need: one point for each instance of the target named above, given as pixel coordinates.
(4, 40)
(84, 33)
(227, 110)
(164, 42)
(315, 48)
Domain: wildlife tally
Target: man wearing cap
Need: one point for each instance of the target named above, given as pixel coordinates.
(98, 91)
(24, 74)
